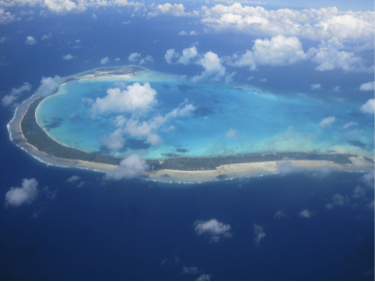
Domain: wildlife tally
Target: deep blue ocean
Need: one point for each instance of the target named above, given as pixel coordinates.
(94, 229)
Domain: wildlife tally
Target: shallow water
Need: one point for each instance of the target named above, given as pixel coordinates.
(263, 122)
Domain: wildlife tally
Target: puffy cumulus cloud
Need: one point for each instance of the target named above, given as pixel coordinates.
(350, 124)
(329, 56)
(187, 55)
(315, 86)
(67, 57)
(259, 233)
(368, 179)
(204, 277)
(176, 10)
(136, 58)
(213, 228)
(73, 179)
(169, 55)
(369, 107)
(134, 97)
(46, 36)
(48, 85)
(306, 213)
(369, 86)
(312, 24)
(14, 94)
(25, 194)
(279, 214)
(337, 200)
(114, 141)
(327, 122)
(30, 40)
(277, 51)
(104, 61)
(212, 67)
(132, 166)
(6, 17)
(62, 7)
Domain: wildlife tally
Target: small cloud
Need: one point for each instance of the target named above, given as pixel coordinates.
(306, 213)
(191, 33)
(169, 55)
(104, 61)
(132, 166)
(93, 16)
(337, 200)
(327, 122)
(350, 124)
(204, 277)
(117, 60)
(358, 192)
(214, 229)
(231, 133)
(279, 214)
(46, 36)
(78, 41)
(315, 86)
(49, 85)
(336, 88)
(369, 86)
(30, 40)
(263, 80)
(368, 179)
(67, 57)
(15, 94)
(191, 270)
(26, 194)
(369, 107)
(73, 179)
(3, 39)
(259, 233)
(126, 22)
(134, 57)
(371, 205)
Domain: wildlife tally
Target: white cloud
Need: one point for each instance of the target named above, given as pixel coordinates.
(176, 10)
(337, 200)
(212, 67)
(64, 6)
(204, 277)
(369, 86)
(67, 57)
(134, 57)
(184, 33)
(94, 16)
(15, 93)
(369, 107)
(26, 194)
(114, 141)
(327, 122)
(213, 228)
(134, 97)
(315, 86)
(368, 179)
(46, 36)
(190, 270)
(153, 139)
(371, 205)
(231, 133)
(359, 192)
(349, 124)
(169, 55)
(314, 24)
(104, 61)
(6, 17)
(187, 55)
(278, 51)
(132, 166)
(73, 179)
(117, 60)
(306, 213)
(48, 85)
(146, 59)
(259, 233)
(30, 40)
(279, 214)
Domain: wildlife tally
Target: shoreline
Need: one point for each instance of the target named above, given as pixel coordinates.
(190, 170)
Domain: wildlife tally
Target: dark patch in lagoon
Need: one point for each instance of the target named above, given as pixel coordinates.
(184, 88)
(180, 150)
(135, 144)
(222, 177)
(170, 155)
(54, 123)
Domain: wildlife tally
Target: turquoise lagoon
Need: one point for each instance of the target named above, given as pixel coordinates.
(260, 122)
